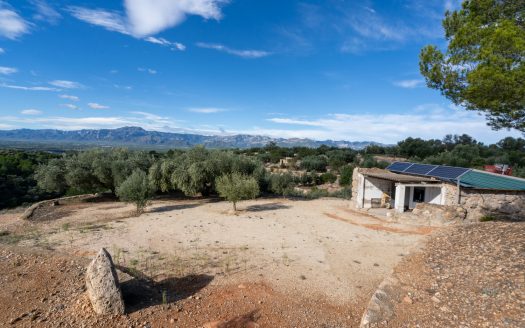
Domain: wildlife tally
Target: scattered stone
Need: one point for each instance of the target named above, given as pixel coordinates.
(407, 299)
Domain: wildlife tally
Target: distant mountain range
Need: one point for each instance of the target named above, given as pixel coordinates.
(138, 137)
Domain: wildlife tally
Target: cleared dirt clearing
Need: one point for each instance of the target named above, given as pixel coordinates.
(289, 247)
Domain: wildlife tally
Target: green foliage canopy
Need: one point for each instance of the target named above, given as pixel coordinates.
(136, 189)
(483, 67)
(236, 186)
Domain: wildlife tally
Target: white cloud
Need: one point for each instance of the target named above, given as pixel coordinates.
(70, 106)
(236, 52)
(7, 70)
(69, 97)
(207, 110)
(166, 43)
(147, 70)
(427, 121)
(110, 20)
(146, 120)
(2, 51)
(147, 17)
(386, 128)
(12, 25)
(97, 106)
(31, 112)
(123, 87)
(66, 84)
(44, 12)
(35, 88)
(409, 84)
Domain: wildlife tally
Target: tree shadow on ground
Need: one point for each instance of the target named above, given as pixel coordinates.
(266, 207)
(168, 208)
(141, 292)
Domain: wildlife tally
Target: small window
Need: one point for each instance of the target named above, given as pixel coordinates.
(419, 195)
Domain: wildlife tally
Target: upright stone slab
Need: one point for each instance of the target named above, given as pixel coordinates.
(102, 285)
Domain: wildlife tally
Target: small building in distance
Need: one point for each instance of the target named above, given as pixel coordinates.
(404, 185)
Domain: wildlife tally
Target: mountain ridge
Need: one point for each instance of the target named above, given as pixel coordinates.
(137, 136)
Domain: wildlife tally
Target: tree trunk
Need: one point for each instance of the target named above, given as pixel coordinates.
(235, 206)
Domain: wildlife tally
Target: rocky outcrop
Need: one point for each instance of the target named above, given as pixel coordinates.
(103, 287)
(440, 214)
(381, 306)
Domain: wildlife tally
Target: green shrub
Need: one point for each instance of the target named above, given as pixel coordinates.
(345, 193)
(136, 189)
(281, 184)
(235, 187)
(328, 177)
(314, 163)
(345, 179)
(487, 218)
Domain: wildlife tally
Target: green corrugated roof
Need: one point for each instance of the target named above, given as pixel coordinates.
(485, 180)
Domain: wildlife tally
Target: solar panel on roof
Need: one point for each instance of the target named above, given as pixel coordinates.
(398, 166)
(447, 172)
(437, 171)
(422, 169)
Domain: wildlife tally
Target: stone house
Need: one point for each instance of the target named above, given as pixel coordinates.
(404, 185)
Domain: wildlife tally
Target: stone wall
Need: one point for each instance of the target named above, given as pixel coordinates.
(479, 202)
(450, 192)
(28, 213)
(508, 205)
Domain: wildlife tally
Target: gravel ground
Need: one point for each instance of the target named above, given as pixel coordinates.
(467, 276)
(46, 289)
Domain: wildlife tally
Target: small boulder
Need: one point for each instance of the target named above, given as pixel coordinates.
(103, 286)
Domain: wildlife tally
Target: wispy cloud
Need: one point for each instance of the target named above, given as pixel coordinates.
(46, 13)
(163, 42)
(147, 70)
(409, 84)
(146, 17)
(97, 106)
(66, 84)
(425, 121)
(110, 20)
(235, 52)
(207, 110)
(12, 25)
(70, 97)
(71, 106)
(30, 112)
(146, 120)
(28, 88)
(7, 70)
(2, 51)
(123, 87)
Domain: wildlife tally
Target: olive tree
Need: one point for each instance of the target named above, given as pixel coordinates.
(235, 187)
(136, 189)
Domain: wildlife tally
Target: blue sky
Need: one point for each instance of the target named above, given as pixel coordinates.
(329, 69)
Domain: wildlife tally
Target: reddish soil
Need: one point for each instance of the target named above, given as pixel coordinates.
(384, 226)
(46, 289)
(466, 276)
